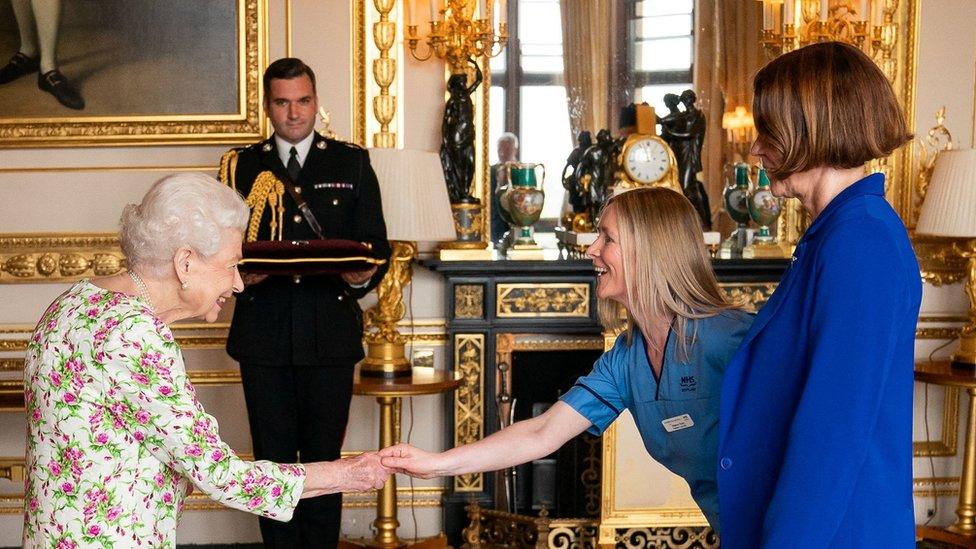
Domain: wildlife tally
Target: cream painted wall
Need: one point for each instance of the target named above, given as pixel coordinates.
(62, 198)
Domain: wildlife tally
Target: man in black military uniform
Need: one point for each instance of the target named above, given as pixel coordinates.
(297, 338)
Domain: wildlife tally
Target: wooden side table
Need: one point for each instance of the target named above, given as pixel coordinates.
(388, 392)
(962, 533)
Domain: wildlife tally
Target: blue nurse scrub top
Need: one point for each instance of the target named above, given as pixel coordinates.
(622, 378)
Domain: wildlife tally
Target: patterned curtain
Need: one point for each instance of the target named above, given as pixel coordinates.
(587, 39)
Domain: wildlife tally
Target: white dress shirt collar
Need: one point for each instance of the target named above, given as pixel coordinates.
(302, 147)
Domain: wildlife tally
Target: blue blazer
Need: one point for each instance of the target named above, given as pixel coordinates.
(815, 424)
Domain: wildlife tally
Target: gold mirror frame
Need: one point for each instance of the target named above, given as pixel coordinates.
(247, 124)
(899, 168)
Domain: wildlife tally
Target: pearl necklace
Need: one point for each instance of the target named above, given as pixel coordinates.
(141, 288)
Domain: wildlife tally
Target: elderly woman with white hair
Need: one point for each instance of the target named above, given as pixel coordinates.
(115, 433)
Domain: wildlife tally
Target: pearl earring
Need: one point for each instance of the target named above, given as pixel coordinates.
(183, 285)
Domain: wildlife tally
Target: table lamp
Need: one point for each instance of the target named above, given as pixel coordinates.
(949, 210)
(416, 209)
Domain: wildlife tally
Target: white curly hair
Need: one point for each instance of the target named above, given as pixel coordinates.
(184, 209)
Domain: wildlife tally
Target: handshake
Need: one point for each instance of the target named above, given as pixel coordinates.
(369, 470)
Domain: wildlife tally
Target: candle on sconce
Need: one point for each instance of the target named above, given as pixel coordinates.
(411, 15)
(503, 11)
(767, 15)
(482, 9)
(787, 12)
(776, 7)
(878, 18)
(862, 13)
(434, 12)
(824, 10)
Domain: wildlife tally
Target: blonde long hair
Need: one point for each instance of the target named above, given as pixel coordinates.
(666, 268)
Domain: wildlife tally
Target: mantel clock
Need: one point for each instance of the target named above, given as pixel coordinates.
(645, 159)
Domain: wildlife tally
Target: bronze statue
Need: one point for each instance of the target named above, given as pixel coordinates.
(458, 136)
(571, 173)
(684, 131)
(595, 172)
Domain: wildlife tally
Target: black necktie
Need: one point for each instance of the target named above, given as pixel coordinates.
(293, 166)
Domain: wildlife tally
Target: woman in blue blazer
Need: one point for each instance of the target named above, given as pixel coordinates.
(815, 446)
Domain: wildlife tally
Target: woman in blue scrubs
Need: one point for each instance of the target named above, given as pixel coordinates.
(815, 444)
(666, 369)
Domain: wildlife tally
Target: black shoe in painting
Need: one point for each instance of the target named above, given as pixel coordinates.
(19, 65)
(57, 85)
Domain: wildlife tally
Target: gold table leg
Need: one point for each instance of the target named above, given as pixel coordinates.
(966, 511)
(386, 522)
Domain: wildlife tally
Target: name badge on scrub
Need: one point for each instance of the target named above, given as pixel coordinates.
(677, 423)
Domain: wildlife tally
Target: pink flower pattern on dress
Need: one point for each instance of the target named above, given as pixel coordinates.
(116, 434)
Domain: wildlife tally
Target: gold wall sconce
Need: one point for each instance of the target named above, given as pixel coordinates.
(740, 131)
(456, 33)
(868, 24)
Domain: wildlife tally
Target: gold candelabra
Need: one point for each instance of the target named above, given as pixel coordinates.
(456, 34)
(868, 24)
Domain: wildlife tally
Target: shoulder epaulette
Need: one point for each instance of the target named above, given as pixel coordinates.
(228, 168)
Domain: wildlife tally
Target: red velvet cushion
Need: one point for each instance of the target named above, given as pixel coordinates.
(307, 257)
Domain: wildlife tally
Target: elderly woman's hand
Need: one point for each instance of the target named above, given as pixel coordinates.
(355, 474)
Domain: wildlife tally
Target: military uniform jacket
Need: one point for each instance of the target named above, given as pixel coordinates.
(311, 320)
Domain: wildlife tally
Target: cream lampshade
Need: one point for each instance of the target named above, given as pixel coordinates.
(416, 208)
(949, 210)
(415, 202)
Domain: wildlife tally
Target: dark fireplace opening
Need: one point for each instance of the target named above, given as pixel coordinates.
(567, 482)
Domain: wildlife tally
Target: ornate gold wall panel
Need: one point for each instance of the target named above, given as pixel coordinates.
(948, 443)
(41, 257)
(359, 33)
(522, 300)
(469, 421)
(935, 487)
(373, 40)
(900, 167)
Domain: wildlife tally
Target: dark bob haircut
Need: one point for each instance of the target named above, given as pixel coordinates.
(826, 104)
(286, 68)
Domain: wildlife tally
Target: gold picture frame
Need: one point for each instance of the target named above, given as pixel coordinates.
(57, 127)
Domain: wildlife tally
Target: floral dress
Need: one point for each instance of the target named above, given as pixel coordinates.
(115, 433)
